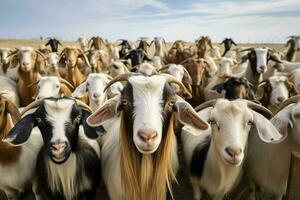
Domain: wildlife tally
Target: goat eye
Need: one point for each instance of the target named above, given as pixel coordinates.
(77, 119)
(39, 120)
(124, 101)
(297, 115)
(171, 103)
(57, 86)
(250, 123)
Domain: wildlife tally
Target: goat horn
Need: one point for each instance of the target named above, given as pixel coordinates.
(172, 79)
(262, 84)
(206, 104)
(3, 93)
(40, 53)
(163, 68)
(261, 109)
(287, 102)
(122, 77)
(82, 104)
(13, 53)
(61, 80)
(32, 105)
(85, 58)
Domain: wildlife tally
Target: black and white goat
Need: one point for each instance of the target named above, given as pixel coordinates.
(139, 151)
(68, 164)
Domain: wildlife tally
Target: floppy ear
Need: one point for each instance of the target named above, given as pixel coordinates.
(80, 90)
(266, 130)
(260, 92)
(90, 132)
(188, 116)
(20, 133)
(13, 111)
(245, 58)
(273, 58)
(282, 120)
(187, 78)
(109, 110)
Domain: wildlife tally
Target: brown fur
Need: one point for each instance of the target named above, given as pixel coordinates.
(202, 46)
(8, 154)
(146, 176)
(96, 42)
(178, 52)
(291, 53)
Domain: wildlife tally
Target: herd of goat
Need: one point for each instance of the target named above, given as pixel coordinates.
(116, 114)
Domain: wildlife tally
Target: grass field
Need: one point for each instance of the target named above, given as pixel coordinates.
(183, 190)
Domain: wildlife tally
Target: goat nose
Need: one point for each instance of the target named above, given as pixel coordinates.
(96, 95)
(262, 67)
(280, 99)
(147, 135)
(233, 152)
(58, 146)
(25, 63)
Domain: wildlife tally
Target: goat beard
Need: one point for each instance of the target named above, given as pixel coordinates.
(147, 176)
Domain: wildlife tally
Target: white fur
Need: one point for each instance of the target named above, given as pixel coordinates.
(10, 88)
(15, 177)
(48, 86)
(279, 90)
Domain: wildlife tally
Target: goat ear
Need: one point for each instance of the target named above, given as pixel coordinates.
(245, 58)
(282, 120)
(80, 90)
(273, 58)
(13, 111)
(115, 89)
(188, 116)
(20, 133)
(109, 110)
(266, 130)
(90, 132)
(187, 78)
(260, 92)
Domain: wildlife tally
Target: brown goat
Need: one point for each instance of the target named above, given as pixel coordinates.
(5, 62)
(71, 57)
(98, 60)
(202, 46)
(178, 52)
(29, 71)
(96, 42)
(197, 69)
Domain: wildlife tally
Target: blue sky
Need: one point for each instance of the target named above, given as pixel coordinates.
(244, 20)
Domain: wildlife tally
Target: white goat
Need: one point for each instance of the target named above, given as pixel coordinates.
(95, 85)
(215, 157)
(268, 164)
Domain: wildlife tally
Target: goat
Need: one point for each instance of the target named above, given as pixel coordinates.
(273, 91)
(137, 56)
(224, 72)
(113, 52)
(197, 68)
(9, 90)
(143, 45)
(228, 42)
(160, 47)
(125, 48)
(5, 62)
(97, 43)
(203, 44)
(293, 45)
(117, 68)
(258, 60)
(94, 85)
(139, 151)
(52, 86)
(294, 77)
(236, 88)
(98, 60)
(181, 74)
(178, 52)
(70, 56)
(17, 163)
(83, 43)
(215, 157)
(68, 164)
(214, 52)
(29, 72)
(268, 165)
(53, 42)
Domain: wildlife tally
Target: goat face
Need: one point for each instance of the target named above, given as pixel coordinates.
(279, 92)
(48, 87)
(147, 104)
(59, 121)
(226, 65)
(27, 59)
(4, 52)
(71, 56)
(53, 60)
